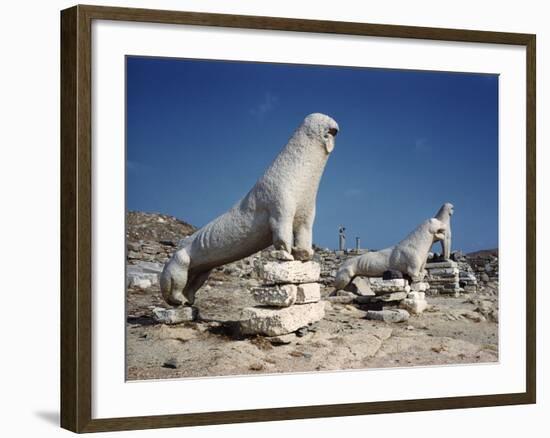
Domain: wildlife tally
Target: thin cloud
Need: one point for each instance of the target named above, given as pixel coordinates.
(422, 145)
(353, 192)
(134, 166)
(268, 103)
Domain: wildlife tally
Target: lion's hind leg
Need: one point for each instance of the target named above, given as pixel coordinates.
(173, 278)
(194, 284)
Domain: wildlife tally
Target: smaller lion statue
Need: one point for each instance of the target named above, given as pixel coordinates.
(408, 256)
(444, 215)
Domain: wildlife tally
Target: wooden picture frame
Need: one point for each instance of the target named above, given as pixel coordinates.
(76, 218)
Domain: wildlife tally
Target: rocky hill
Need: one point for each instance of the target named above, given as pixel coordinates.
(152, 237)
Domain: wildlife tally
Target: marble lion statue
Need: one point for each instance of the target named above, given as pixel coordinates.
(279, 210)
(444, 215)
(408, 256)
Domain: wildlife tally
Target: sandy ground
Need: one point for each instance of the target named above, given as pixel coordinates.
(452, 331)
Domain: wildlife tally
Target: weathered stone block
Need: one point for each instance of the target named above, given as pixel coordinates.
(282, 295)
(391, 315)
(137, 282)
(420, 286)
(446, 264)
(443, 272)
(308, 293)
(289, 272)
(360, 286)
(275, 322)
(380, 286)
(175, 315)
(385, 298)
(416, 295)
(344, 299)
(415, 302)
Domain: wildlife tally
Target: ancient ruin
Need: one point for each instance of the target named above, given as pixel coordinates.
(384, 321)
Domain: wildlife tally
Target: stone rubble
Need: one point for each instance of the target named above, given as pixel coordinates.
(143, 274)
(414, 303)
(485, 266)
(384, 291)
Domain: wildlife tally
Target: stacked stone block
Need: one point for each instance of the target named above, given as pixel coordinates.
(288, 299)
(443, 277)
(384, 292)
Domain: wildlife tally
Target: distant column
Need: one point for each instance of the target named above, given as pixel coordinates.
(342, 238)
(357, 243)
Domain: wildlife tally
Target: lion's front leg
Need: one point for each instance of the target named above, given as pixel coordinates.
(281, 229)
(303, 239)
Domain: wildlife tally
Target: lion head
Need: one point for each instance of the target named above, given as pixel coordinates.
(321, 127)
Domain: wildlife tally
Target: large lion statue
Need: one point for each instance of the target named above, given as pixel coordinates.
(279, 210)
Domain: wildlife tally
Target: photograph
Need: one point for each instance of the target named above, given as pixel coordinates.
(293, 218)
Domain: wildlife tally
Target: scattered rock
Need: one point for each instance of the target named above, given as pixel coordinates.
(473, 316)
(281, 339)
(174, 316)
(171, 364)
(360, 286)
(274, 322)
(388, 315)
(302, 331)
(414, 303)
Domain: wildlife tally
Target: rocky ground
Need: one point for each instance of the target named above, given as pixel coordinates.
(452, 330)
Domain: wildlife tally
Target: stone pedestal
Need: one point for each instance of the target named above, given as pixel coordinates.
(380, 293)
(443, 277)
(288, 299)
(274, 322)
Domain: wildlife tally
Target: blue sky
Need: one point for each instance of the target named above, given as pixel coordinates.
(200, 133)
